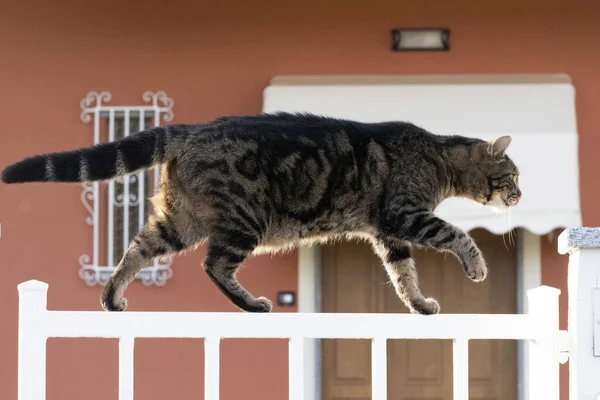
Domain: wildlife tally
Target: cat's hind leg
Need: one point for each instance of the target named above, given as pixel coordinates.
(397, 258)
(158, 238)
(228, 247)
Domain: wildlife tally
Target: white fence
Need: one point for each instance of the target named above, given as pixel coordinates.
(539, 327)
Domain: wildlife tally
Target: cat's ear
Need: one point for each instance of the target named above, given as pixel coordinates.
(499, 146)
(495, 148)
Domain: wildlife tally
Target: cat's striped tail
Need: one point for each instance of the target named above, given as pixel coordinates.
(104, 161)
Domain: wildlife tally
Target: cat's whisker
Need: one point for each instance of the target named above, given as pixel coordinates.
(511, 232)
(504, 241)
(510, 221)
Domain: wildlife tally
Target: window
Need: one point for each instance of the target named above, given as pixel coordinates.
(119, 208)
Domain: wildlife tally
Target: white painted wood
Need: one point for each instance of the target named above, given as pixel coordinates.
(126, 346)
(583, 247)
(285, 325)
(545, 348)
(32, 341)
(212, 367)
(596, 321)
(460, 369)
(296, 368)
(36, 324)
(529, 267)
(379, 368)
(531, 259)
(309, 268)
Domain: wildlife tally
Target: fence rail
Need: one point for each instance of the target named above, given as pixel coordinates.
(539, 327)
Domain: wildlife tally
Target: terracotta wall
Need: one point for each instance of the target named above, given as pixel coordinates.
(215, 59)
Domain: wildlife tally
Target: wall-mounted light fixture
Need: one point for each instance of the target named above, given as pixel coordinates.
(421, 39)
(286, 299)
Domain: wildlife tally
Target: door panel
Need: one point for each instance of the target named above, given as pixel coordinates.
(354, 280)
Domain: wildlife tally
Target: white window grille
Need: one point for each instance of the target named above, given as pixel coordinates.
(120, 211)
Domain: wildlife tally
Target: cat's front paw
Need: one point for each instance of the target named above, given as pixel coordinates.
(477, 270)
(425, 306)
(259, 305)
(267, 305)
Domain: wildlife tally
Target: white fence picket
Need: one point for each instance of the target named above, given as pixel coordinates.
(460, 369)
(296, 365)
(126, 345)
(544, 350)
(212, 354)
(379, 368)
(32, 341)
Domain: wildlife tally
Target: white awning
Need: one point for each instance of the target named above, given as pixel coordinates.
(537, 110)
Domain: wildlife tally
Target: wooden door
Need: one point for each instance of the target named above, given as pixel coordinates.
(353, 280)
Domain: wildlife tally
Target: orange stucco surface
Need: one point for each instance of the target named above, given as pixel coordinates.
(215, 59)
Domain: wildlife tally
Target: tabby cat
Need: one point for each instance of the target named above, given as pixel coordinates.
(270, 182)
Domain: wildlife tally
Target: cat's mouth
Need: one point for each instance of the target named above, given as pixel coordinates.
(512, 200)
(500, 203)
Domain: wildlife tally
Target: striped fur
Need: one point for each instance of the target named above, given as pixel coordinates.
(268, 183)
(102, 162)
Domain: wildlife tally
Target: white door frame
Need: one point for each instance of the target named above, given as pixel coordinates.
(529, 275)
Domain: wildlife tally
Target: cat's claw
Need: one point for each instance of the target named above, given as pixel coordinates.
(425, 306)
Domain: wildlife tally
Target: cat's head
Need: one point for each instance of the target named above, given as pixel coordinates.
(493, 178)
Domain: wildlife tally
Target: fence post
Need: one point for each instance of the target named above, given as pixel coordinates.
(583, 247)
(544, 366)
(32, 340)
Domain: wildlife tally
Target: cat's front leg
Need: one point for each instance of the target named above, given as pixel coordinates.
(439, 234)
(425, 229)
(400, 267)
